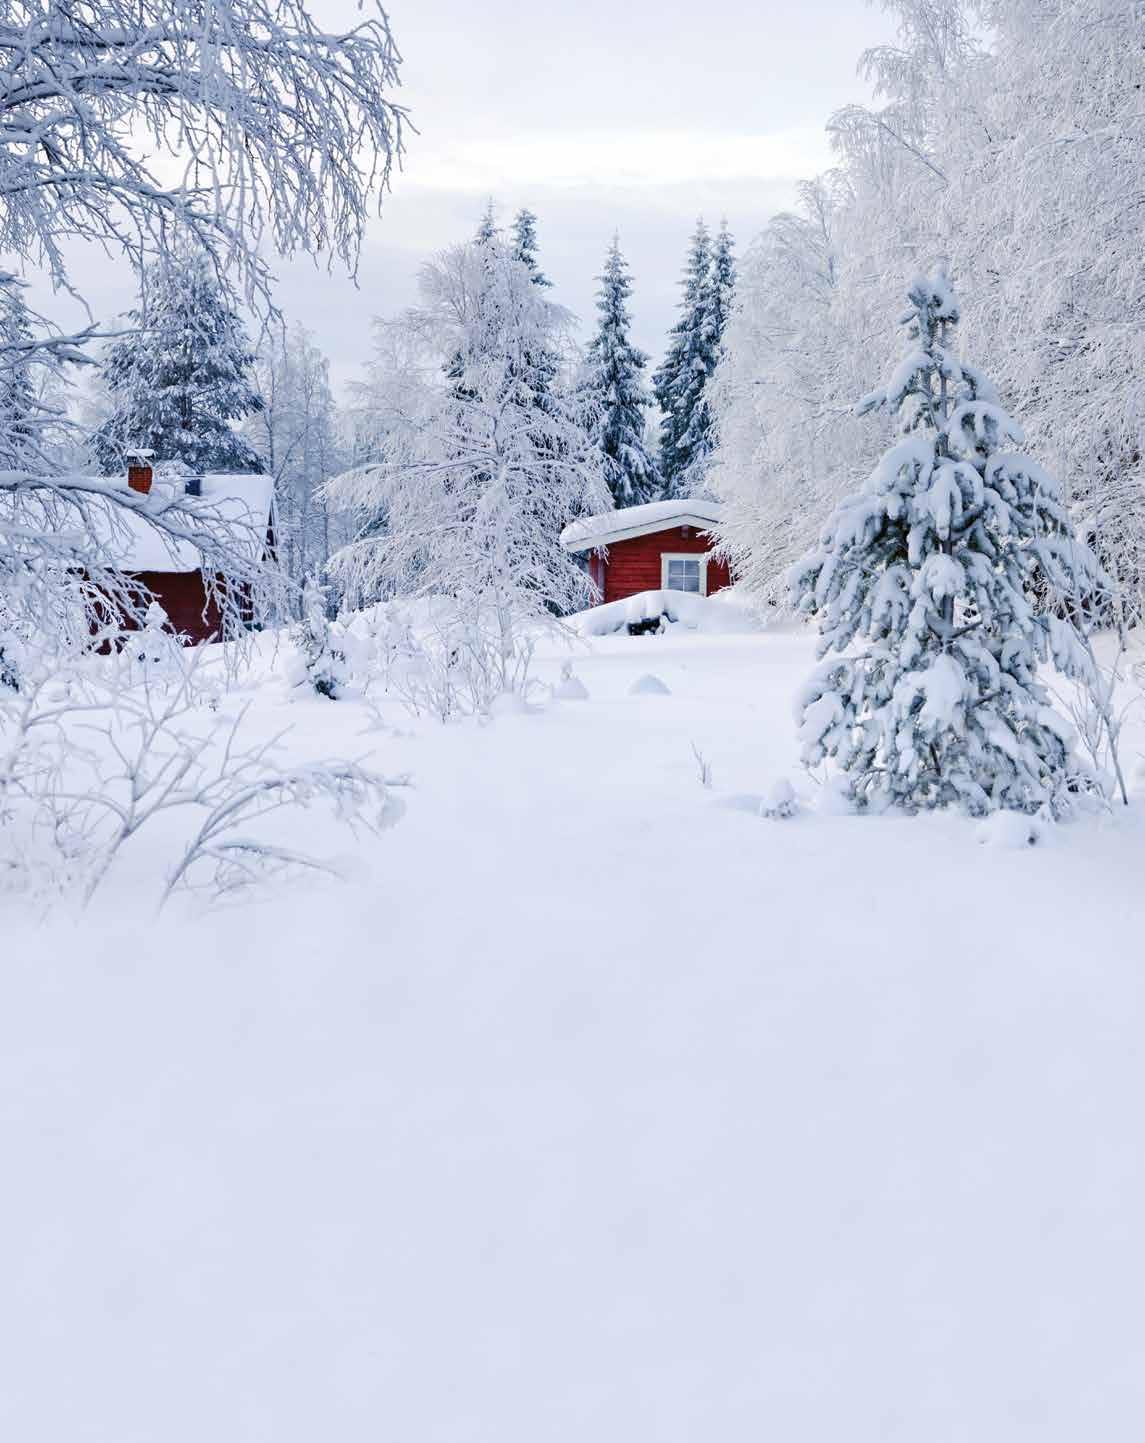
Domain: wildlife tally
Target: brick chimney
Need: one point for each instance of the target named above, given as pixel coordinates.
(139, 470)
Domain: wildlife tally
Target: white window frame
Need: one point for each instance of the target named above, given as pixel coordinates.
(700, 556)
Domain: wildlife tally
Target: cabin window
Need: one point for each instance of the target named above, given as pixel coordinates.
(684, 573)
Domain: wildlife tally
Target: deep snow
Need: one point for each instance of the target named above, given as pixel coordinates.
(598, 1106)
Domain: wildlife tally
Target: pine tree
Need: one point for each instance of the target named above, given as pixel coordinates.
(698, 440)
(543, 366)
(525, 245)
(941, 586)
(721, 288)
(616, 391)
(183, 377)
(18, 409)
(679, 381)
(487, 226)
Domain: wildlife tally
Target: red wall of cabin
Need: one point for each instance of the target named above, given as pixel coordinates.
(183, 596)
(634, 565)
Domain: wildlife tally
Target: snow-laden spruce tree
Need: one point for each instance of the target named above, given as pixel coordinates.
(696, 443)
(179, 382)
(935, 588)
(475, 484)
(487, 227)
(680, 378)
(526, 245)
(721, 286)
(615, 387)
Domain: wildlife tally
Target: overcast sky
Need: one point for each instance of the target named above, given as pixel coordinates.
(599, 115)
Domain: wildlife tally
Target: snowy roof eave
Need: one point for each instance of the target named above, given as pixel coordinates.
(245, 499)
(592, 533)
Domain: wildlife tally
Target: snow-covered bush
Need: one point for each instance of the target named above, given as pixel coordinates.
(322, 647)
(928, 587)
(153, 654)
(161, 762)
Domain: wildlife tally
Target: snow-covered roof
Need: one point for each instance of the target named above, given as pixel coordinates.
(592, 532)
(132, 544)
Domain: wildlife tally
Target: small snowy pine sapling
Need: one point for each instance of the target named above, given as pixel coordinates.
(325, 664)
(926, 587)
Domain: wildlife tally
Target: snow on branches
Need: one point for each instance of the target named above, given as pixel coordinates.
(614, 383)
(275, 125)
(935, 589)
(485, 457)
(186, 374)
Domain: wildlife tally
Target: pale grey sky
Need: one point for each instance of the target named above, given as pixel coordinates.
(599, 115)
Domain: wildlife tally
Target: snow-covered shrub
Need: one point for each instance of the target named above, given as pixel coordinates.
(323, 648)
(148, 759)
(153, 654)
(926, 587)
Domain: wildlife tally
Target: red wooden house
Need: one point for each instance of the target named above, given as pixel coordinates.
(662, 546)
(171, 573)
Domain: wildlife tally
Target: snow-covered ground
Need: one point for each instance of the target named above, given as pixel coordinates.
(596, 1107)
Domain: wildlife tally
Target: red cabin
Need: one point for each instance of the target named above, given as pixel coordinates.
(156, 568)
(662, 546)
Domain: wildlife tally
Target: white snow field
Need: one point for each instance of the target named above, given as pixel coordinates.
(597, 1108)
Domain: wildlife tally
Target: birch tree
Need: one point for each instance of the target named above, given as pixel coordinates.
(476, 481)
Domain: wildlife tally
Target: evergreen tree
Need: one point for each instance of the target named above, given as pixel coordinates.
(525, 245)
(616, 391)
(721, 288)
(542, 367)
(183, 377)
(18, 409)
(698, 440)
(931, 586)
(679, 381)
(487, 226)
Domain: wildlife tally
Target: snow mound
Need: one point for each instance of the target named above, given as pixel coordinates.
(649, 685)
(570, 687)
(779, 801)
(1013, 830)
(509, 703)
(711, 615)
(834, 799)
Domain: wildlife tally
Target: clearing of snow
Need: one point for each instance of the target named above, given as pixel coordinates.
(600, 1104)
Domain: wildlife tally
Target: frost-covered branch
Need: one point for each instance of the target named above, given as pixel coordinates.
(121, 120)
